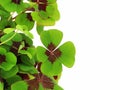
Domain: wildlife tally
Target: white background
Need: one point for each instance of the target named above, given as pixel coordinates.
(94, 27)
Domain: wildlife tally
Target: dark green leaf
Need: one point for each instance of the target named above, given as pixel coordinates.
(13, 79)
(29, 69)
(26, 53)
(10, 73)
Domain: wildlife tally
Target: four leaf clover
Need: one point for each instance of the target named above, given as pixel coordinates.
(52, 56)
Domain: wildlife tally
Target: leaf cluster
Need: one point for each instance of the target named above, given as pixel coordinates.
(24, 66)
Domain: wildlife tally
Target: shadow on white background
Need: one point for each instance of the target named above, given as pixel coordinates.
(94, 27)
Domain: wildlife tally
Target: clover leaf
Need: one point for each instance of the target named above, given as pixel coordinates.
(23, 66)
(7, 60)
(25, 19)
(53, 57)
(10, 73)
(17, 85)
(13, 5)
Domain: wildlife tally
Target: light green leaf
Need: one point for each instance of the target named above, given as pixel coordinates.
(41, 87)
(50, 69)
(8, 30)
(51, 1)
(57, 87)
(53, 11)
(51, 36)
(1, 86)
(42, 21)
(68, 54)
(39, 29)
(29, 34)
(46, 67)
(22, 19)
(21, 85)
(56, 68)
(22, 27)
(32, 50)
(41, 57)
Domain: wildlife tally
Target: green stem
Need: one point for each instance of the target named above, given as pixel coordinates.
(8, 39)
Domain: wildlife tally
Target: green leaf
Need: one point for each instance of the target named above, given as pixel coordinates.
(1, 86)
(39, 29)
(41, 57)
(41, 87)
(13, 79)
(57, 87)
(32, 50)
(29, 69)
(21, 85)
(10, 73)
(17, 38)
(2, 51)
(3, 12)
(50, 69)
(29, 34)
(41, 21)
(12, 7)
(51, 36)
(68, 54)
(51, 1)
(8, 30)
(26, 53)
(11, 58)
(7, 37)
(6, 66)
(53, 12)
(26, 60)
(22, 27)
(23, 19)
(46, 67)
(27, 39)
(56, 68)
(10, 61)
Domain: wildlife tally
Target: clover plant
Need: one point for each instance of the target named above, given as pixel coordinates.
(23, 65)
